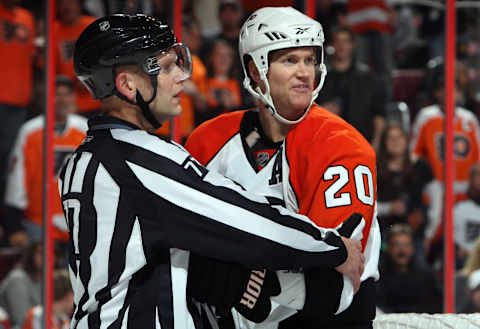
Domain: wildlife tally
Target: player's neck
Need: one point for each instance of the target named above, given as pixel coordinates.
(274, 129)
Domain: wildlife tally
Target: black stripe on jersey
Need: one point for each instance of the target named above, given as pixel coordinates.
(275, 201)
(87, 231)
(72, 256)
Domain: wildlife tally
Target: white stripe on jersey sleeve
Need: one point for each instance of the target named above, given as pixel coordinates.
(226, 213)
(107, 212)
(125, 319)
(179, 274)
(82, 164)
(135, 255)
(68, 174)
(142, 139)
(157, 320)
(111, 309)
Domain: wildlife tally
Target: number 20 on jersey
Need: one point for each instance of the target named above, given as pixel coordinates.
(334, 197)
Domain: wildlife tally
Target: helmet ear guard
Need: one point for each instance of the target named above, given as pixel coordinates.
(274, 28)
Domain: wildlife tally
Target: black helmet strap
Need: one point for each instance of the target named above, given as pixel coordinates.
(144, 105)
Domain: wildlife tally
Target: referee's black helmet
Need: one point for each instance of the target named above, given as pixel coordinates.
(119, 40)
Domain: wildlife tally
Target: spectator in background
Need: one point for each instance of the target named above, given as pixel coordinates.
(461, 279)
(371, 21)
(330, 13)
(194, 100)
(24, 192)
(17, 33)
(223, 91)
(400, 182)
(230, 15)
(62, 306)
(473, 304)
(405, 286)
(21, 289)
(466, 215)
(68, 26)
(351, 91)
(427, 142)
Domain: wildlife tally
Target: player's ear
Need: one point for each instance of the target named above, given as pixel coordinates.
(125, 84)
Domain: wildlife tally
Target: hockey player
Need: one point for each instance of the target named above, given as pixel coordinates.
(136, 203)
(300, 155)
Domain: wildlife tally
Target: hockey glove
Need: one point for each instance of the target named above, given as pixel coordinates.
(227, 285)
(255, 304)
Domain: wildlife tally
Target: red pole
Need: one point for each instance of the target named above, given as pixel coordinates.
(449, 255)
(48, 254)
(310, 8)
(177, 28)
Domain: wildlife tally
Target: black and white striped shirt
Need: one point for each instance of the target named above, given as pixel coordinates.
(136, 204)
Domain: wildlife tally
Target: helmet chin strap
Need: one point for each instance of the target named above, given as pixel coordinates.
(144, 105)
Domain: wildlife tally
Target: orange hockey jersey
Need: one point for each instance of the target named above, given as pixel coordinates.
(25, 177)
(325, 170)
(428, 141)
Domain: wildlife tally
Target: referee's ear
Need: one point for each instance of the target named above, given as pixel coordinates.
(125, 84)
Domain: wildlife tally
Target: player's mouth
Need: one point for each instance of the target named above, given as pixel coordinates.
(302, 88)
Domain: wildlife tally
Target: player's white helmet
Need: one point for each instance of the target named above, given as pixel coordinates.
(273, 28)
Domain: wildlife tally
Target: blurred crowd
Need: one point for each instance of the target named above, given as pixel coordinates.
(385, 77)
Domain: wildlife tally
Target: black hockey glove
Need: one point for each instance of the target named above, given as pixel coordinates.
(255, 304)
(227, 285)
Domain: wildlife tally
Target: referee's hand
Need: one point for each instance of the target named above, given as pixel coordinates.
(353, 266)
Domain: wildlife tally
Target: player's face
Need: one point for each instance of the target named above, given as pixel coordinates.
(170, 78)
(291, 77)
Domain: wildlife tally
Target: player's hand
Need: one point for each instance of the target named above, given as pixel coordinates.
(353, 266)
